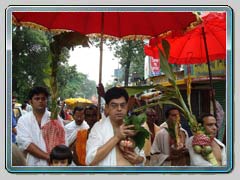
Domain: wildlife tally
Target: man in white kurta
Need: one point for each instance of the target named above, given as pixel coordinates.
(72, 129)
(101, 132)
(30, 132)
(103, 144)
(29, 137)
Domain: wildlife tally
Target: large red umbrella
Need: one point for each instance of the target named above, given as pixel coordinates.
(204, 43)
(130, 25)
(117, 24)
(190, 48)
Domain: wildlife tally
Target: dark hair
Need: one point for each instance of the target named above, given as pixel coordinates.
(91, 107)
(38, 90)
(61, 152)
(77, 108)
(202, 116)
(115, 93)
(24, 105)
(167, 112)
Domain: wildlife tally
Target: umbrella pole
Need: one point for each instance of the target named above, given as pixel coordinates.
(210, 73)
(100, 64)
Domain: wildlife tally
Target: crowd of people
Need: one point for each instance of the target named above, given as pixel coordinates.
(90, 141)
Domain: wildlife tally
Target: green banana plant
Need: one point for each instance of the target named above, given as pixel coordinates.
(63, 40)
(167, 69)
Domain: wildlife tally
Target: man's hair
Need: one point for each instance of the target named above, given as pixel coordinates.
(167, 112)
(91, 107)
(38, 90)
(61, 152)
(202, 116)
(115, 93)
(77, 108)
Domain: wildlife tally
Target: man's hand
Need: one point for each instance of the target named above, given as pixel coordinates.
(132, 157)
(177, 153)
(124, 131)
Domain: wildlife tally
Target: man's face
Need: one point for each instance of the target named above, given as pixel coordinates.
(173, 115)
(91, 116)
(151, 116)
(39, 102)
(78, 117)
(210, 125)
(117, 109)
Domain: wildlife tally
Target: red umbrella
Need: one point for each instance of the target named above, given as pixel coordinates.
(130, 25)
(117, 24)
(190, 48)
(205, 43)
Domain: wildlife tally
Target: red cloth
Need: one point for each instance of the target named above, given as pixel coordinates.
(201, 139)
(53, 134)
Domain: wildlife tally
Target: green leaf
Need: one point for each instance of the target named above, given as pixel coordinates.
(142, 133)
(140, 137)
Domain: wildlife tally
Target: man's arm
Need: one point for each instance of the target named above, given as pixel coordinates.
(120, 133)
(37, 152)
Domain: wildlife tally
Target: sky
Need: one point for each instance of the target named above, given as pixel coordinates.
(87, 62)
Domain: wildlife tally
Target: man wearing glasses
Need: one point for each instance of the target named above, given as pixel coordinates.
(29, 138)
(103, 141)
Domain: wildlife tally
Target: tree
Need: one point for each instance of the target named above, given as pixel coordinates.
(30, 58)
(131, 55)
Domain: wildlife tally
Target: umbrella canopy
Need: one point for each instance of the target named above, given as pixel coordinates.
(117, 24)
(130, 25)
(190, 48)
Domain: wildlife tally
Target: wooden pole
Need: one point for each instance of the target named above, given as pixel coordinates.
(100, 63)
(210, 72)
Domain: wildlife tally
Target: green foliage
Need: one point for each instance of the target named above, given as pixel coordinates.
(31, 66)
(167, 69)
(142, 133)
(29, 59)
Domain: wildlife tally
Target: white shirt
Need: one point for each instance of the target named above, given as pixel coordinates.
(100, 133)
(197, 159)
(72, 128)
(28, 131)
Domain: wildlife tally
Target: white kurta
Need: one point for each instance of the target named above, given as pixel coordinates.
(161, 144)
(72, 128)
(100, 133)
(28, 131)
(197, 159)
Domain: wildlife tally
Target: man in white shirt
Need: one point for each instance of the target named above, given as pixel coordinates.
(29, 128)
(103, 141)
(73, 128)
(218, 148)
